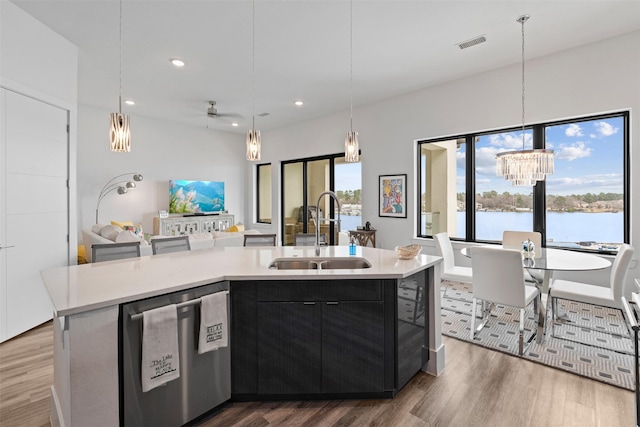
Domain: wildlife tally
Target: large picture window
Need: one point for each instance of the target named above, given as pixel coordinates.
(584, 205)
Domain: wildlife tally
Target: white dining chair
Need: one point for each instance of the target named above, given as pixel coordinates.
(259, 239)
(111, 251)
(605, 296)
(166, 245)
(498, 277)
(450, 271)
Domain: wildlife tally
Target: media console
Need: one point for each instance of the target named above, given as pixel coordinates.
(181, 225)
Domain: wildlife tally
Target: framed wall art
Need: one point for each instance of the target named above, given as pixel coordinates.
(393, 196)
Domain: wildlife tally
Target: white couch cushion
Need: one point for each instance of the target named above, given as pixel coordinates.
(95, 228)
(110, 232)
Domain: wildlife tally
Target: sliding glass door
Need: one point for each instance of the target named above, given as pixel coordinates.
(303, 181)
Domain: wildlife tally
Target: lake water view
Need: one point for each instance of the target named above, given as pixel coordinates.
(563, 228)
(350, 222)
(566, 229)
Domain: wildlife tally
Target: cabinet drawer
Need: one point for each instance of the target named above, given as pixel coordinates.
(352, 290)
(320, 290)
(290, 291)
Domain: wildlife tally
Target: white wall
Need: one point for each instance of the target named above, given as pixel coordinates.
(35, 59)
(39, 63)
(160, 151)
(591, 79)
(35, 63)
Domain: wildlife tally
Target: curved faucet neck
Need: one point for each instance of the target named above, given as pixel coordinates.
(334, 197)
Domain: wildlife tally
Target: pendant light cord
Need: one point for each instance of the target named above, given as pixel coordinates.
(522, 20)
(253, 66)
(351, 63)
(120, 88)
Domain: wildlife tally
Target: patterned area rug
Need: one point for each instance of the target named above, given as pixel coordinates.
(611, 362)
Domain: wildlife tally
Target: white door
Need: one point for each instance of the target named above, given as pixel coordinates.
(34, 207)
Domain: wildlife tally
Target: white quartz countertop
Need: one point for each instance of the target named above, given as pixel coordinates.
(86, 287)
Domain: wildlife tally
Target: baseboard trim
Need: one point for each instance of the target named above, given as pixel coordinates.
(55, 411)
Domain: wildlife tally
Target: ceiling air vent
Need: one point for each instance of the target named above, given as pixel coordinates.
(474, 41)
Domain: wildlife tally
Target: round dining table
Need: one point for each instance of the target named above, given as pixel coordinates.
(551, 259)
(548, 260)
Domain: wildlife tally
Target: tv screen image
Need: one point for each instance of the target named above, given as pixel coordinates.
(196, 196)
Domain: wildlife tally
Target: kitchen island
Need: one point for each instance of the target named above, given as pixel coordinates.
(87, 325)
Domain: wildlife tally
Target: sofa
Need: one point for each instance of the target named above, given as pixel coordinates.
(110, 233)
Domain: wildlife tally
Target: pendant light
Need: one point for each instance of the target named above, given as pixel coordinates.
(351, 146)
(119, 134)
(526, 167)
(253, 136)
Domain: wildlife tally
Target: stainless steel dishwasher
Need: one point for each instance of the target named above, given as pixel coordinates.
(205, 379)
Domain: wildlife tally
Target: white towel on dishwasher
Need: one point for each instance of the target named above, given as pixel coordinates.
(160, 353)
(213, 322)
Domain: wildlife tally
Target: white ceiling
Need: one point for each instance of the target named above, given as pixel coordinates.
(302, 50)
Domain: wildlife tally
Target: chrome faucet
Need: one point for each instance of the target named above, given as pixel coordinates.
(318, 219)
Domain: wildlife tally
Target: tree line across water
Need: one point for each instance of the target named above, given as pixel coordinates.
(349, 196)
(592, 202)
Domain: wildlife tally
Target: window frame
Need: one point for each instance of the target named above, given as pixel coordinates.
(539, 190)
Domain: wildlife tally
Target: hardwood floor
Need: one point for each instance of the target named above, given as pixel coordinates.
(26, 375)
(478, 387)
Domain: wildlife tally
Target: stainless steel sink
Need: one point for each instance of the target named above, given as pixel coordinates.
(344, 263)
(318, 263)
(293, 264)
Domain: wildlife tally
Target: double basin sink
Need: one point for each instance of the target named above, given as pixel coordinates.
(318, 263)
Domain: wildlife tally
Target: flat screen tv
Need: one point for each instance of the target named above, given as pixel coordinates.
(196, 196)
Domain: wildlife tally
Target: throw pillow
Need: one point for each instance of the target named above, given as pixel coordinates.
(137, 229)
(236, 228)
(121, 224)
(110, 232)
(127, 236)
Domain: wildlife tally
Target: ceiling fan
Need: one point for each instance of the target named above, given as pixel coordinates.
(212, 113)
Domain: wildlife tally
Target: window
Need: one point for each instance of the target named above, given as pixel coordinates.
(263, 199)
(585, 198)
(498, 204)
(443, 194)
(584, 205)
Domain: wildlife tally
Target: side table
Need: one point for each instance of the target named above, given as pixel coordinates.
(363, 237)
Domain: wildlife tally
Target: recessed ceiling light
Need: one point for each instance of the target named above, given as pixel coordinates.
(130, 102)
(177, 62)
(299, 103)
(234, 124)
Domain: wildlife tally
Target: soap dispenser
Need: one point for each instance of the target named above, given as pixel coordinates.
(352, 246)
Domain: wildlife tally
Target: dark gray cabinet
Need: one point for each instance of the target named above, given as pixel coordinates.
(304, 339)
(320, 337)
(289, 348)
(311, 338)
(353, 346)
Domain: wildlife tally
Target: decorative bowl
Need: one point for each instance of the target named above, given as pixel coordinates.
(408, 252)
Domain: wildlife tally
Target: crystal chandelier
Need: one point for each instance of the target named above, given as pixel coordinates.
(351, 146)
(253, 135)
(526, 167)
(119, 134)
